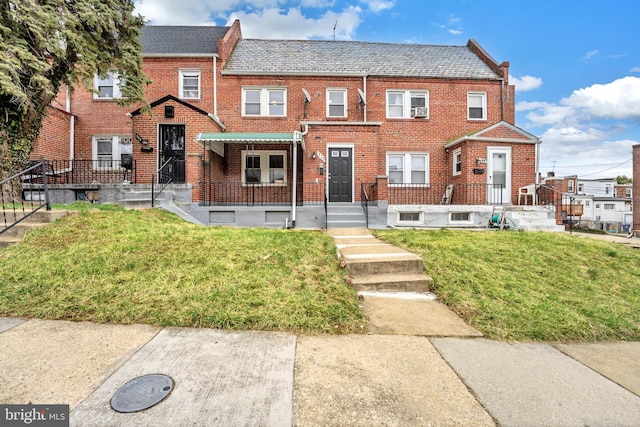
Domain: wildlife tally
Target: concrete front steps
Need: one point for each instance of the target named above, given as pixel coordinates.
(532, 218)
(345, 216)
(38, 219)
(376, 266)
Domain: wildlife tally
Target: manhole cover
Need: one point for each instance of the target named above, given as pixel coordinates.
(142, 393)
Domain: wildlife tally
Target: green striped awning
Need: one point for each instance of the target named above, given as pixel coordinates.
(245, 137)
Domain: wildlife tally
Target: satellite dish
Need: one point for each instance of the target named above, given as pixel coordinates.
(306, 95)
(362, 96)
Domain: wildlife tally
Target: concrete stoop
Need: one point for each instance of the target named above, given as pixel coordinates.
(38, 219)
(374, 265)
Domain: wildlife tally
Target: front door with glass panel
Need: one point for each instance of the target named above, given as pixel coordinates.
(341, 175)
(499, 175)
(172, 146)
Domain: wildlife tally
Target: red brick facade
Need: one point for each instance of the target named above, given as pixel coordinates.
(221, 96)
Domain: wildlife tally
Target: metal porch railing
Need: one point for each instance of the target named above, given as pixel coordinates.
(20, 199)
(260, 194)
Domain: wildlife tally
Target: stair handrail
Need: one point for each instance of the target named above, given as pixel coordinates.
(163, 169)
(17, 204)
(364, 201)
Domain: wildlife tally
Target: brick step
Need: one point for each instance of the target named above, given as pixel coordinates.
(391, 282)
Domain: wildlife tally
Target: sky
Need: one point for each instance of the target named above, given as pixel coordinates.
(575, 64)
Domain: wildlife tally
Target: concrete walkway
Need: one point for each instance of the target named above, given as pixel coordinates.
(419, 366)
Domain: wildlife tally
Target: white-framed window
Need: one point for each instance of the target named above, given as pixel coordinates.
(264, 102)
(336, 103)
(190, 84)
(609, 206)
(580, 188)
(587, 203)
(477, 106)
(107, 150)
(264, 167)
(457, 161)
(108, 87)
(405, 104)
(570, 186)
(607, 189)
(461, 217)
(408, 168)
(627, 192)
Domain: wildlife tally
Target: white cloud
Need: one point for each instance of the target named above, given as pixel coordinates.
(455, 32)
(525, 83)
(319, 4)
(619, 99)
(579, 132)
(635, 70)
(587, 56)
(273, 23)
(379, 5)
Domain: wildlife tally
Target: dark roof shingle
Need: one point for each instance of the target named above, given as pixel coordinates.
(181, 40)
(319, 57)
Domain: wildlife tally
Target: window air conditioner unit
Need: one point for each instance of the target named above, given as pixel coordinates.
(597, 218)
(421, 112)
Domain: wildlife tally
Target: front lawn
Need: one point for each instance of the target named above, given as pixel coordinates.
(532, 286)
(149, 266)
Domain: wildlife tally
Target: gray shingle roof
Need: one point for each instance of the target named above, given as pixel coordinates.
(181, 40)
(319, 57)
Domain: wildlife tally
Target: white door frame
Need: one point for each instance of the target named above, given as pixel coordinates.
(495, 197)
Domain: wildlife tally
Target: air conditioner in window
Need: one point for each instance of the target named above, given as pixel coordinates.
(421, 112)
(597, 218)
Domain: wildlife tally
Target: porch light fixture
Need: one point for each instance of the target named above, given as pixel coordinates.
(313, 155)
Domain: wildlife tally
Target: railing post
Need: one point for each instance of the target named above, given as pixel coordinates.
(44, 184)
(153, 193)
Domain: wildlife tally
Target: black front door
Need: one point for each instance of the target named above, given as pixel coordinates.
(340, 175)
(172, 138)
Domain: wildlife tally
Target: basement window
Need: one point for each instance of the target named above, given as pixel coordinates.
(409, 216)
(461, 217)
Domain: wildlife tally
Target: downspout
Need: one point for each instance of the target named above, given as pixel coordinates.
(295, 180)
(215, 86)
(72, 129)
(297, 136)
(364, 85)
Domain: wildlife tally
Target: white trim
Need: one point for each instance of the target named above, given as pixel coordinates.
(406, 163)
(506, 191)
(115, 148)
(407, 95)
(264, 165)
(461, 222)
(344, 103)
(184, 72)
(456, 152)
(117, 94)
(264, 100)
(484, 105)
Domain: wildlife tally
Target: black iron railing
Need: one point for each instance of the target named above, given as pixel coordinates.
(441, 194)
(364, 200)
(20, 199)
(86, 172)
(563, 205)
(262, 194)
(162, 178)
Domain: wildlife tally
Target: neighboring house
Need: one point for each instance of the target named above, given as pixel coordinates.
(602, 204)
(259, 132)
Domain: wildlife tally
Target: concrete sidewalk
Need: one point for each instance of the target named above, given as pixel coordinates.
(277, 379)
(421, 365)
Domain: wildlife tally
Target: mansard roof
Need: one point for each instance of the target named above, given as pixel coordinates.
(350, 58)
(181, 40)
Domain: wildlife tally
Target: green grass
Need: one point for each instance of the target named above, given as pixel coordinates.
(148, 266)
(532, 286)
